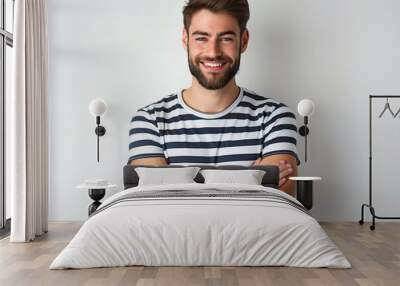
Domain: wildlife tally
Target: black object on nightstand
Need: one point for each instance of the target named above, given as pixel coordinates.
(304, 190)
(96, 195)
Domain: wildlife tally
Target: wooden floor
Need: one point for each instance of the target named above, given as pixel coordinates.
(375, 256)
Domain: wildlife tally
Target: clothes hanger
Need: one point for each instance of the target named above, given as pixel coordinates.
(387, 107)
(397, 113)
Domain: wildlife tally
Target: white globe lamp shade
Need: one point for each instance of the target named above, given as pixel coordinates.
(306, 107)
(97, 107)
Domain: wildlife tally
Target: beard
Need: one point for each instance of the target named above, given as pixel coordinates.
(218, 81)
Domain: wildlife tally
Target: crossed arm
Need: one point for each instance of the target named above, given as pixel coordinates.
(286, 163)
(287, 168)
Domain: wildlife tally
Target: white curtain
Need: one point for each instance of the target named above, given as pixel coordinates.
(28, 147)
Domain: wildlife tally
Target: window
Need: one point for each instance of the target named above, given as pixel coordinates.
(6, 44)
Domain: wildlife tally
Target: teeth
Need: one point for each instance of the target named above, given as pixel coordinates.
(213, 65)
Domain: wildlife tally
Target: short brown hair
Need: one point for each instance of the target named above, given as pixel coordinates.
(237, 8)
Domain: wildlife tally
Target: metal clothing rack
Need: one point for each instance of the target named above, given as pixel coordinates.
(369, 205)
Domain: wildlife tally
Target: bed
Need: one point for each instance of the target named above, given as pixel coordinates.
(201, 224)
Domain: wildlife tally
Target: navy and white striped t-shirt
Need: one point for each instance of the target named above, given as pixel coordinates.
(251, 127)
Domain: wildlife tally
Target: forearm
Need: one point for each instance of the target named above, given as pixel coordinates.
(285, 184)
(289, 186)
(151, 161)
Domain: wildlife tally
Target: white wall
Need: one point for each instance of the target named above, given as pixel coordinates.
(129, 53)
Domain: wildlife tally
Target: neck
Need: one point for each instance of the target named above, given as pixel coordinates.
(210, 101)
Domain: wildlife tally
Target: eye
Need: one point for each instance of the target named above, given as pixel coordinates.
(227, 39)
(201, 39)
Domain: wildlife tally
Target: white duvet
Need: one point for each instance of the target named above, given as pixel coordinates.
(200, 231)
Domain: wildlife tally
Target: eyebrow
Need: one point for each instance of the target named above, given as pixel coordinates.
(201, 33)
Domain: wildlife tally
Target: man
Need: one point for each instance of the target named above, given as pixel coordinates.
(214, 121)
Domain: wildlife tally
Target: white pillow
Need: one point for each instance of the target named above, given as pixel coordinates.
(165, 176)
(248, 177)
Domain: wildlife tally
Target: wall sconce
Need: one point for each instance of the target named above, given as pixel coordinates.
(305, 109)
(97, 108)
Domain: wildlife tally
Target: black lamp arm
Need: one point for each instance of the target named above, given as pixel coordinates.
(99, 131)
(305, 120)
(304, 131)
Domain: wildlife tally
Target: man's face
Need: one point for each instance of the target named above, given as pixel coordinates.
(214, 46)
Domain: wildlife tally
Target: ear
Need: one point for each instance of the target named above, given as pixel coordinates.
(185, 38)
(245, 40)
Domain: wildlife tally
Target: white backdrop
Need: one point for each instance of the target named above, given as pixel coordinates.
(129, 53)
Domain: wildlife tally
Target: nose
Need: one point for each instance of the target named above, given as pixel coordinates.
(214, 49)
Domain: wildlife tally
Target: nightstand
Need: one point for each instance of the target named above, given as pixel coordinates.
(96, 193)
(304, 190)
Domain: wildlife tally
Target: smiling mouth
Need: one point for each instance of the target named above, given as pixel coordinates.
(213, 66)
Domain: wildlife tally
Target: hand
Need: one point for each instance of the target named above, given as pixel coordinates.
(285, 170)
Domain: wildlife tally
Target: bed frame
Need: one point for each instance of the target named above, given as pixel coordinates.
(270, 179)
